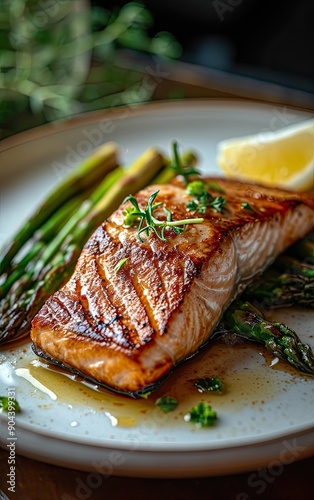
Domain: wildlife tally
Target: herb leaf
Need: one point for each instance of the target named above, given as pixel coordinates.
(167, 403)
(201, 414)
(209, 384)
(7, 405)
(121, 263)
(129, 216)
(218, 203)
(192, 205)
(247, 206)
(145, 395)
(196, 188)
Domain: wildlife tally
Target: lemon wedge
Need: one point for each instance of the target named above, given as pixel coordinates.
(283, 158)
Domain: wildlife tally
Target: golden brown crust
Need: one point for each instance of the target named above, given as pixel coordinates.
(128, 328)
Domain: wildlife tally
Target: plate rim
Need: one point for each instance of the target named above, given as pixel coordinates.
(135, 110)
(162, 447)
(141, 110)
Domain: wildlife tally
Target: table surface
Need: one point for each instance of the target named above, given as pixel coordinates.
(39, 481)
(36, 480)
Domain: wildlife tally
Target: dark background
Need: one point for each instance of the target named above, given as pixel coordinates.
(245, 49)
(268, 40)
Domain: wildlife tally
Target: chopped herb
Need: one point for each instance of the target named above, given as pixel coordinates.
(215, 187)
(209, 384)
(196, 188)
(192, 205)
(151, 223)
(203, 199)
(184, 171)
(218, 203)
(9, 405)
(202, 415)
(121, 263)
(167, 403)
(145, 395)
(247, 206)
(129, 217)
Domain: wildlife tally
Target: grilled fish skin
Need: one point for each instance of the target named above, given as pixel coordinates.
(128, 329)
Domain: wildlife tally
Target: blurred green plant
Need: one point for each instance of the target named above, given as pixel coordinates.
(62, 57)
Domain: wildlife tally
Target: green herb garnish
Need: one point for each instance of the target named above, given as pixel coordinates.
(202, 415)
(203, 199)
(145, 216)
(184, 171)
(247, 206)
(167, 403)
(209, 384)
(9, 405)
(218, 203)
(145, 395)
(192, 206)
(129, 217)
(196, 188)
(121, 263)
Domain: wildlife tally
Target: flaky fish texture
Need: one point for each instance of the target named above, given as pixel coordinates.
(127, 329)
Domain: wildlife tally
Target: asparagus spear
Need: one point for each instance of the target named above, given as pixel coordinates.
(293, 285)
(57, 263)
(37, 244)
(36, 266)
(82, 178)
(247, 321)
(283, 290)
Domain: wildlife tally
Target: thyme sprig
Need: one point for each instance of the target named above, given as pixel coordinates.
(147, 222)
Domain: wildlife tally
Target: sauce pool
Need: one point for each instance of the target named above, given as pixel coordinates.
(249, 375)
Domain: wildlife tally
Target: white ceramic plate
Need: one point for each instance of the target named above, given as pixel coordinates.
(265, 416)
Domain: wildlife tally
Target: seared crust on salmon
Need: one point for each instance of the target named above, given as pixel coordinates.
(127, 329)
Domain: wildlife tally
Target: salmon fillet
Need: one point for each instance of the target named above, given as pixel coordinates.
(127, 329)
